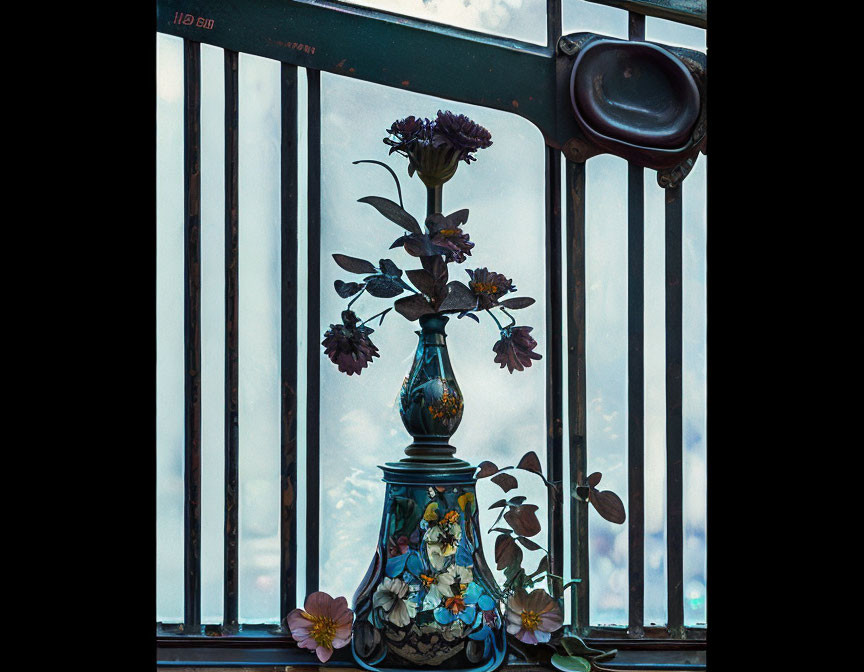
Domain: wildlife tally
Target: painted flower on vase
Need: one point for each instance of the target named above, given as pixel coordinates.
(395, 597)
(322, 625)
(532, 618)
(460, 594)
(442, 541)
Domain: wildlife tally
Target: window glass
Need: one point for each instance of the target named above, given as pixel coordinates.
(169, 327)
(581, 16)
(212, 331)
(673, 33)
(694, 406)
(259, 324)
(360, 424)
(606, 378)
(518, 19)
(655, 401)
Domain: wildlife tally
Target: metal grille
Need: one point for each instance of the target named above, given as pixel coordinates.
(566, 362)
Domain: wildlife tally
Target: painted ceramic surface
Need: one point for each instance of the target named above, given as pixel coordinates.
(433, 603)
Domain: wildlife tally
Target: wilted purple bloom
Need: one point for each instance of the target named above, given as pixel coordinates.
(488, 286)
(447, 234)
(407, 131)
(515, 349)
(461, 133)
(348, 345)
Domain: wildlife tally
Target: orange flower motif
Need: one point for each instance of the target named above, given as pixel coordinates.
(449, 518)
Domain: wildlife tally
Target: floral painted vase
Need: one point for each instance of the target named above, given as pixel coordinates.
(429, 598)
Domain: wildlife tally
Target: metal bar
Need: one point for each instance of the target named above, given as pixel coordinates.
(388, 49)
(691, 12)
(553, 22)
(577, 402)
(674, 427)
(192, 333)
(232, 340)
(313, 350)
(288, 573)
(636, 379)
(554, 382)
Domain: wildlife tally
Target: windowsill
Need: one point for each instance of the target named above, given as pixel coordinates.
(265, 649)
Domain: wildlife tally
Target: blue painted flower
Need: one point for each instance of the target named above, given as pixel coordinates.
(460, 594)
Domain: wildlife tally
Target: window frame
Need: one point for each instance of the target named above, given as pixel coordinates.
(193, 643)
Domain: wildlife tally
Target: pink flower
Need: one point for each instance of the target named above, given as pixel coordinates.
(533, 618)
(323, 626)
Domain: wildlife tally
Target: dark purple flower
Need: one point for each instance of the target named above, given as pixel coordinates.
(488, 286)
(461, 133)
(348, 345)
(445, 232)
(515, 349)
(434, 148)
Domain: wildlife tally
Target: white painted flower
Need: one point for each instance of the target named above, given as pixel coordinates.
(455, 577)
(394, 596)
(442, 540)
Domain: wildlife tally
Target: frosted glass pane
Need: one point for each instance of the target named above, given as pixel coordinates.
(169, 328)
(606, 378)
(581, 16)
(694, 401)
(674, 34)
(259, 363)
(212, 331)
(655, 401)
(518, 19)
(360, 424)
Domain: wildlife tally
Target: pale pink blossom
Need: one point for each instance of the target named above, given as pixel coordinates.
(322, 625)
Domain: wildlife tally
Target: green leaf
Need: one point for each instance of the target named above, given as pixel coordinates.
(574, 646)
(393, 212)
(570, 663)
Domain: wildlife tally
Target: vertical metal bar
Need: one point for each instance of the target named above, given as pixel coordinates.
(674, 429)
(288, 573)
(636, 378)
(553, 22)
(232, 335)
(313, 340)
(554, 382)
(577, 403)
(192, 333)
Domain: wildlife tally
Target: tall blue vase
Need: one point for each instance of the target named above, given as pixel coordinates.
(428, 598)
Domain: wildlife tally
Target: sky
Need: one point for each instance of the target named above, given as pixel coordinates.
(360, 426)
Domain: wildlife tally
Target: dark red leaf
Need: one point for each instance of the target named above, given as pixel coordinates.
(523, 520)
(393, 212)
(507, 553)
(346, 289)
(353, 264)
(517, 302)
(594, 479)
(542, 567)
(530, 462)
(527, 543)
(516, 501)
(506, 481)
(458, 297)
(413, 307)
(422, 280)
(608, 505)
(487, 469)
(499, 504)
(437, 267)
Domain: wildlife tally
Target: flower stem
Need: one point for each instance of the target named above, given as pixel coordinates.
(496, 320)
(350, 303)
(434, 196)
(368, 319)
(513, 319)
